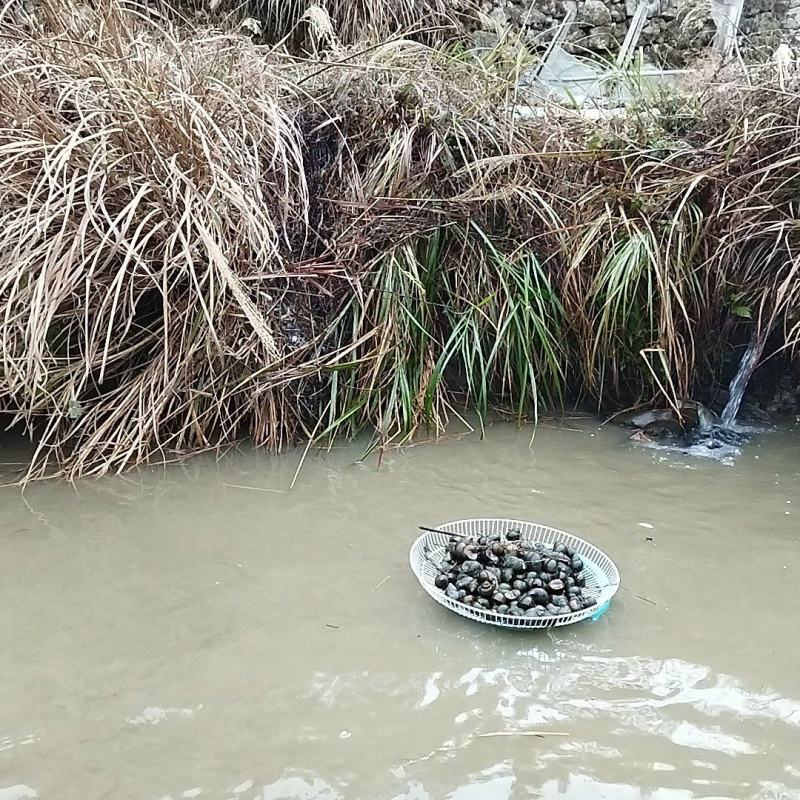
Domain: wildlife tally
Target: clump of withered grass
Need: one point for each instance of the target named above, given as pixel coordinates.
(203, 239)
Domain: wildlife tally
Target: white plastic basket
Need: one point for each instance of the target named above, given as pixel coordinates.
(602, 576)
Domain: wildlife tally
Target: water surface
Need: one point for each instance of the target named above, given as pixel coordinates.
(172, 634)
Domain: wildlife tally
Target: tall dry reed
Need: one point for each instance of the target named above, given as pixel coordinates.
(203, 239)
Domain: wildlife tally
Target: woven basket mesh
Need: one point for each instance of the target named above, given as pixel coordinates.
(602, 576)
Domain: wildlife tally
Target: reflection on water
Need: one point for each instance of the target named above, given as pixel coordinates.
(296, 788)
(174, 635)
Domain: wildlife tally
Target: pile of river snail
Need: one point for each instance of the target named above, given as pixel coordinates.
(509, 576)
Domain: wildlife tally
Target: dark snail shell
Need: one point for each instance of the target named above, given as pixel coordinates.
(514, 577)
(559, 558)
(513, 563)
(540, 597)
(534, 562)
(471, 568)
(471, 552)
(451, 592)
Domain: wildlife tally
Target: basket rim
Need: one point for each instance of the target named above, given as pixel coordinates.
(609, 587)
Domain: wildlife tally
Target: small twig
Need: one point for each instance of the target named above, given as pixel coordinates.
(646, 599)
(311, 441)
(328, 625)
(439, 530)
(522, 733)
(254, 488)
(381, 583)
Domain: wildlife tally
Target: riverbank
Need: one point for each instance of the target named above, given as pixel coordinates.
(206, 240)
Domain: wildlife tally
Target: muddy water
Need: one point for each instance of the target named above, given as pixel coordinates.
(173, 635)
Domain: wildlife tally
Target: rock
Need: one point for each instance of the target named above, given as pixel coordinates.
(600, 38)
(569, 5)
(548, 7)
(529, 17)
(792, 20)
(594, 13)
(499, 16)
(669, 11)
(670, 35)
(485, 40)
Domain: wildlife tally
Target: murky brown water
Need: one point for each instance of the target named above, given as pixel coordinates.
(172, 635)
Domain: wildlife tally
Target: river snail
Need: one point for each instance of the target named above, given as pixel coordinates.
(498, 549)
(471, 568)
(462, 581)
(514, 564)
(451, 592)
(512, 577)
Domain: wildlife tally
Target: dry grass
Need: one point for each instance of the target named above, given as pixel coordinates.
(203, 239)
(350, 21)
